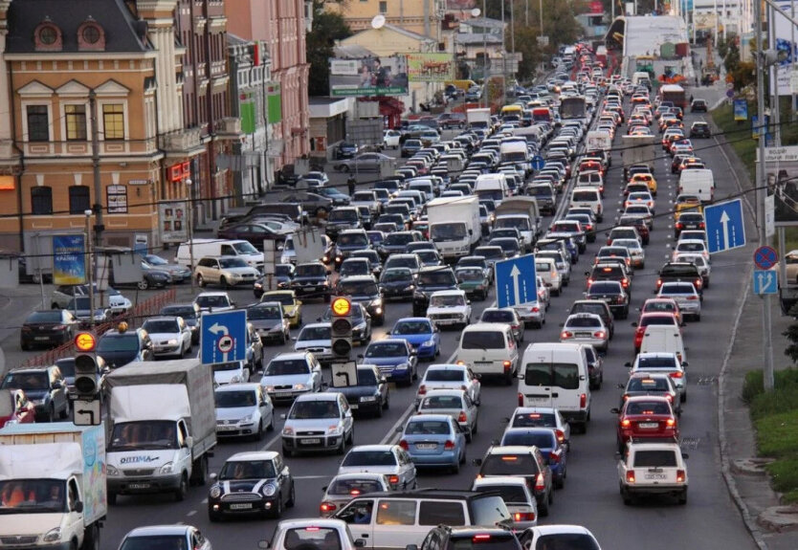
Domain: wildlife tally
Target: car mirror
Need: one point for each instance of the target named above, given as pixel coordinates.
(399, 429)
(283, 416)
(79, 507)
(627, 364)
(685, 456)
(188, 442)
(685, 363)
(615, 410)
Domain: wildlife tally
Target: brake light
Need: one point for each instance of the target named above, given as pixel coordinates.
(328, 507)
(507, 365)
(692, 298)
(599, 334)
(403, 444)
(625, 282)
(659, 283)
(520, 399)
(698, 283)
(554, 457)
(311, 528)
(560, 435)
(630, 476)
(677, 374)
(564, 335)
(354, 492)
(540, 483)
(393, 480)
(582, 400)
(701, 225)
(670, 422)
(481, 537)
(625, 397)
(625, 423)
(669, 397)
(535, 309)
(422, 389)
(680, 476)
(448, 445)
(524, 516)
(462, 417)
(589, 282)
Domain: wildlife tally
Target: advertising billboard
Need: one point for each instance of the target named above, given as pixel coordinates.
(781, 169)
(368, 76)
(430, 67)
(784, 43)
(173, 221)
(461, 5)
(69, 259)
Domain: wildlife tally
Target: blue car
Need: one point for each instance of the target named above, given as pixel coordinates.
(545, 439)
(421, 334)
(395, 358)
(435, 441)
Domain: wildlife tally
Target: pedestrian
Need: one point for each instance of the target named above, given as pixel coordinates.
(351, 184)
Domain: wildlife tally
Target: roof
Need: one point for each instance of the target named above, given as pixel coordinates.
(476, 38)
(238, 387)
(409, 34)
(483, 23)
(503, 480)
(153, 530)
(351, 51)
(510, 450)
(253, 455)
(323, 396)
(426, 417)
(552, 529)
(122, 31)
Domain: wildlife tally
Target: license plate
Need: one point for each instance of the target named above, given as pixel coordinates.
(41, 338)
(226, 428)
(583, 335)
(353, 407)
(648, 425)
(139, 486)
(654, 476)
(242, 506)
(314, 441)
(426, 446)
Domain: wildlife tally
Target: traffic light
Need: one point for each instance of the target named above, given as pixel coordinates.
(87, 379)
(341, 332)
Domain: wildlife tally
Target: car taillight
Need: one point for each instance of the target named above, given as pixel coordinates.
(328, 507)
(524, 516)
(669, 397)
(692, 298)
(677, 374)
(462, 417)
(520, 399)
(630, 476)
(560, 435)
(540, 483)
(582, 400)
(448, 445)
(535, 309)
(670, 422)
(625, 282)
(403, 444)
(422, 389)
(507, 365)
(701, 225)
(659, 283)
(609, 242)
(625, 397)
(564, 335)
(599, 334)
(393, 480)
(680, 476)
(698, 283)
(625, 423)
(554, 457)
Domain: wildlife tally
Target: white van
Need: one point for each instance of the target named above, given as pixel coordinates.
(546, 269)
(493, 187)
(216, 248)
(489, 349)
(588, 197)
(425, 186)
(641, 77)
(699, 182)
(556, 375)
(663, 339)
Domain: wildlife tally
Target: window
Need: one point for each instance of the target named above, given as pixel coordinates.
(75, 122)
(437, 512)
(396, 512)
(383, 7)
(38, 123)
(79, 200)
(41, 199)
(91, 34)
(563, 375)
(113, 121)
(48, 35)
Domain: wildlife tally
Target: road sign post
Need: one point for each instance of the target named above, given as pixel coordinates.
(516, 281)
(725, 226)
(765, 282)
(538, 162)
(223, 337)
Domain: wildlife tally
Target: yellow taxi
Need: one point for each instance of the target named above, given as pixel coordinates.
(292, 308)
(687, 203)
(648, 179)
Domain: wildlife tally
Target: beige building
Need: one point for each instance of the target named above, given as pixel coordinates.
(418, 16)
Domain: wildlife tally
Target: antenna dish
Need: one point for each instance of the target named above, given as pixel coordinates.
(378, 22)
(476, 12)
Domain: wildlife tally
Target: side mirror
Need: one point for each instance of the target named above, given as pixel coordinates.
(189, 443)
(79, 507)
(213, 475)
(685, 456)
(619, 456)
(399, 429)
(263, 544)
(477, 462)
(616, 410)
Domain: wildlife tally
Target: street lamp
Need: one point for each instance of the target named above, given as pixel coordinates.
(91, 264)
(190, 219)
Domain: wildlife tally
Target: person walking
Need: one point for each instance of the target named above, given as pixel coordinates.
(351, 183)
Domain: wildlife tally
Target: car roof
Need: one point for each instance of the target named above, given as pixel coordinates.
(253, 455)
(448, 293)
(435, 417)
(252, 386)
(155, 530)
(323, 396)
(366, 448)
(565, 529)
(443, 391)
(413, 319)
(502, 480)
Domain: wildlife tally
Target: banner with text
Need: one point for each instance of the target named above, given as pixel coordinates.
(69, 259)
(368, 76)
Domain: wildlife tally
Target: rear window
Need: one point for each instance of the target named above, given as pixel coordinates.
(442, 402)
(448, 375)
(509, 465)
(562, 375)
(488, 511)
(509, 493)
(534, 420)
(310, 538)
(528, 439)
(585, 196)
(370, 458)
(354, 487)
(654, 459)
(567, 541)
(483, 339)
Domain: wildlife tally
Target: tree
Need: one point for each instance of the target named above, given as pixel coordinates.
(327, 28)
(527, 45)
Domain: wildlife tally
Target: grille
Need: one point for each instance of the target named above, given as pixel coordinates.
(18, 540)
(446, 316)
(141, 472)
(241, 497)
(282, 387)
(309, 433)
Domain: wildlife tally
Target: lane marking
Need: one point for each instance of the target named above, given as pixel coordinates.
(191, 513)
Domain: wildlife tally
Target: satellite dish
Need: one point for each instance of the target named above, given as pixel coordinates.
(476, 12)
(378, 22)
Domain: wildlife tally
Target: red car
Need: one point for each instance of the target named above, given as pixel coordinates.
(644, 417)
(646, 319)
(15, 408)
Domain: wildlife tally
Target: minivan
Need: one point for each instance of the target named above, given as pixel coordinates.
(490, 350)
(588, 197)
(492, 186)
(556, 375)
(394, 520)
(699, 182)
(664, 339)
(216, 248)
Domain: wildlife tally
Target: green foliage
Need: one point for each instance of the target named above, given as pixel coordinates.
(753, 385)
(783, 399)
(327, 28)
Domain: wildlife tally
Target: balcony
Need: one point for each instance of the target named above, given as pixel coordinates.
(229, 128)
(185, 142)
(83, 149)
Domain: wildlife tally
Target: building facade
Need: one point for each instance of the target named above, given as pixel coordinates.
(418, 16)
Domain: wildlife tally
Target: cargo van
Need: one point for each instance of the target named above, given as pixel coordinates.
(663, 339)
(556, 375)
(216, 248)
(699, 182)
(424, 186)
(493, 187)
(490, 350)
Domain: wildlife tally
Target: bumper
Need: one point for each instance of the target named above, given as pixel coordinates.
(285, 396)
(171, 351)
(313, 291)
(676, 489)
(445, 459)
(449, 322)
(48, 340)
(312, 443)
(236, 430)
(396, 375)
(271, 336)
(128, 486)
(397, 294)
(579, 417)
(361, 407)
(241, 508)
(425, 352)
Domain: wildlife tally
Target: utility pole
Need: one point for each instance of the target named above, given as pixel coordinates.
(761, 194)
(504, 57)
(97, 207)
(485, 87)
(540, 15)
(90, 271)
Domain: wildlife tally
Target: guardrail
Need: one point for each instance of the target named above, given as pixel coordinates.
(146, 308)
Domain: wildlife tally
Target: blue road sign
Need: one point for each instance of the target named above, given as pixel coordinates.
(766, 282)
(765, 257)
(725, 226)
(516, 281)
(223, 337)
(538, 162)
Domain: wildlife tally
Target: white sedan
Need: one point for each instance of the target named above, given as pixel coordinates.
(390, 139)
(243, 410)
(171, 336)
(389, 460)
(449, 308)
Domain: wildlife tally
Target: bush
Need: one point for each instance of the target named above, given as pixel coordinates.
(784, 398)
(784, 475)
(753, 385)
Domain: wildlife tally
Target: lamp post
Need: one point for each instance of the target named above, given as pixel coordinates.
(190, 220)
(90, 270)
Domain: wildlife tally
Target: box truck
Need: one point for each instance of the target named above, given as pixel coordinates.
(638, 150)
(523, 214)
(454, 225)
(479, 118)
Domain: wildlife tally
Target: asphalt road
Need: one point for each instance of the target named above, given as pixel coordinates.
(590, 496)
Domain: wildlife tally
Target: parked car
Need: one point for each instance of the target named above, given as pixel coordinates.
(48, 328)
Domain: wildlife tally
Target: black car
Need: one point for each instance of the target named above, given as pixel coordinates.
(429, 280)
(396, 243)
(122, 346)
(261, 480)
(364, 290)
(45, 387)
(471, 538)
(48, 328)
(609, 272)
(341, 219)
(190, 312)
(346, 150)
(350, 241)
(283, 274)
(613, 293)
(311, 280)
(698, 106)
(397, 283)
(688, 220)
(700, 130)
(361, 323)
(681, 272)
(370, 394)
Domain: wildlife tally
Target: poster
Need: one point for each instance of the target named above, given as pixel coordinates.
(784, 43)
(781, 171)
(461, 5)
(117, 199)
(69, 259)
(430, 67)
(740, 109)
(173, 222)
(368, 76)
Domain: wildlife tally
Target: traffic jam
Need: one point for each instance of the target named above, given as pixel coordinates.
(425, 378)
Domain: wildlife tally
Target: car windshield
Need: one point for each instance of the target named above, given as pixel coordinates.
(453, 231)
(583, 322)
(655, 459)
(255, 469)
(353, 288)
(510, 493)
(427, 427)
(569, 541)
(228, 366)
(282, 299)
(53, 316)
(161, 326)
(245, 248)
(447, 301)
(306, 410)
(260, 313)
(184, 312)
(369, 458)
(144, 435)
(229, 263)
(366, 377)
(282, 270)
(412, 327)
(493, 252)
(540, 439)
(342, 215)
(397, 239)
(442, 402)
(469, 274)
(354, 267)
(656, 362)
(354, 487)
(647, 384)
(32, 496)
(438, 277)
(311, 270)
(212, 300)
(647, 408)
(118, 342)
(444, 375)
(27, 381)
(235, 399)
(388, 349)
(353, 239)
(286, 367)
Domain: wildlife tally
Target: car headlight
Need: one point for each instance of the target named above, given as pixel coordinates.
(259, 285)
(112, 471)
(300, 386)
(172, 342)
(428, 343)
(334, 430)
(215, 492)
(235, 379)
(411, 287)
(269, 389)
(269, 489)
(53, 535)
(288, 430)
(368, 398)
(247, 418)
(167, 468)
(402, 366)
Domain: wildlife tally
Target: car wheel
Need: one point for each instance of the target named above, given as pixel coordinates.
(456, 466)
(543, 508)
(684, 397)
(200, 281)
(683, 498)
(223, 282)
(143, 284)
(352, 436)
(270, 427)
(291, 497)
(182, 491)
(277, 511)
(469, 436)
(111, 498)
(387, 402)
(342, 447)
(559, 483)
(627, 498)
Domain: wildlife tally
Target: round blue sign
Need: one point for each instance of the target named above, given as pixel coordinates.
(538, 162)
(765, 257)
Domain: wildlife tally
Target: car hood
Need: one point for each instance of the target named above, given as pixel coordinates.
(385, 361)
(307, 344)
(460, 310)
(396, 284)
(35, 527)
(234, 413)
(164, 336)
(312, 424)
(357, 391)
(223, 377)
(243, 485)
(267, 324)
(116, 359)
(286, 380)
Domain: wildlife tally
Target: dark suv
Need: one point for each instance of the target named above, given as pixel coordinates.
(45, 387)
(444, 537)
(525, 462)
(364, 290)
(609, 272)
(429, 280)
(681, 272)
(613, 293)
(311, 280)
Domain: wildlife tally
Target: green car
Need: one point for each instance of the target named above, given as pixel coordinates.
(473, 281)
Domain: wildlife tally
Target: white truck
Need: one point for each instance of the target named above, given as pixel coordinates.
(163, 427)
(698, 182)
(53, 482)
(454, 225)
(478, 118)
(598, 140)
(638, 150)
(523, 214)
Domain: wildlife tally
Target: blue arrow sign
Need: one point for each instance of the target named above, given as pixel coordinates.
(766, 282)
(725, 226)
(516, 281)
(223, 337)
(538, 162)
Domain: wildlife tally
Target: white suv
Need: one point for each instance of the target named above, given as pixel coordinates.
(654, 469)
